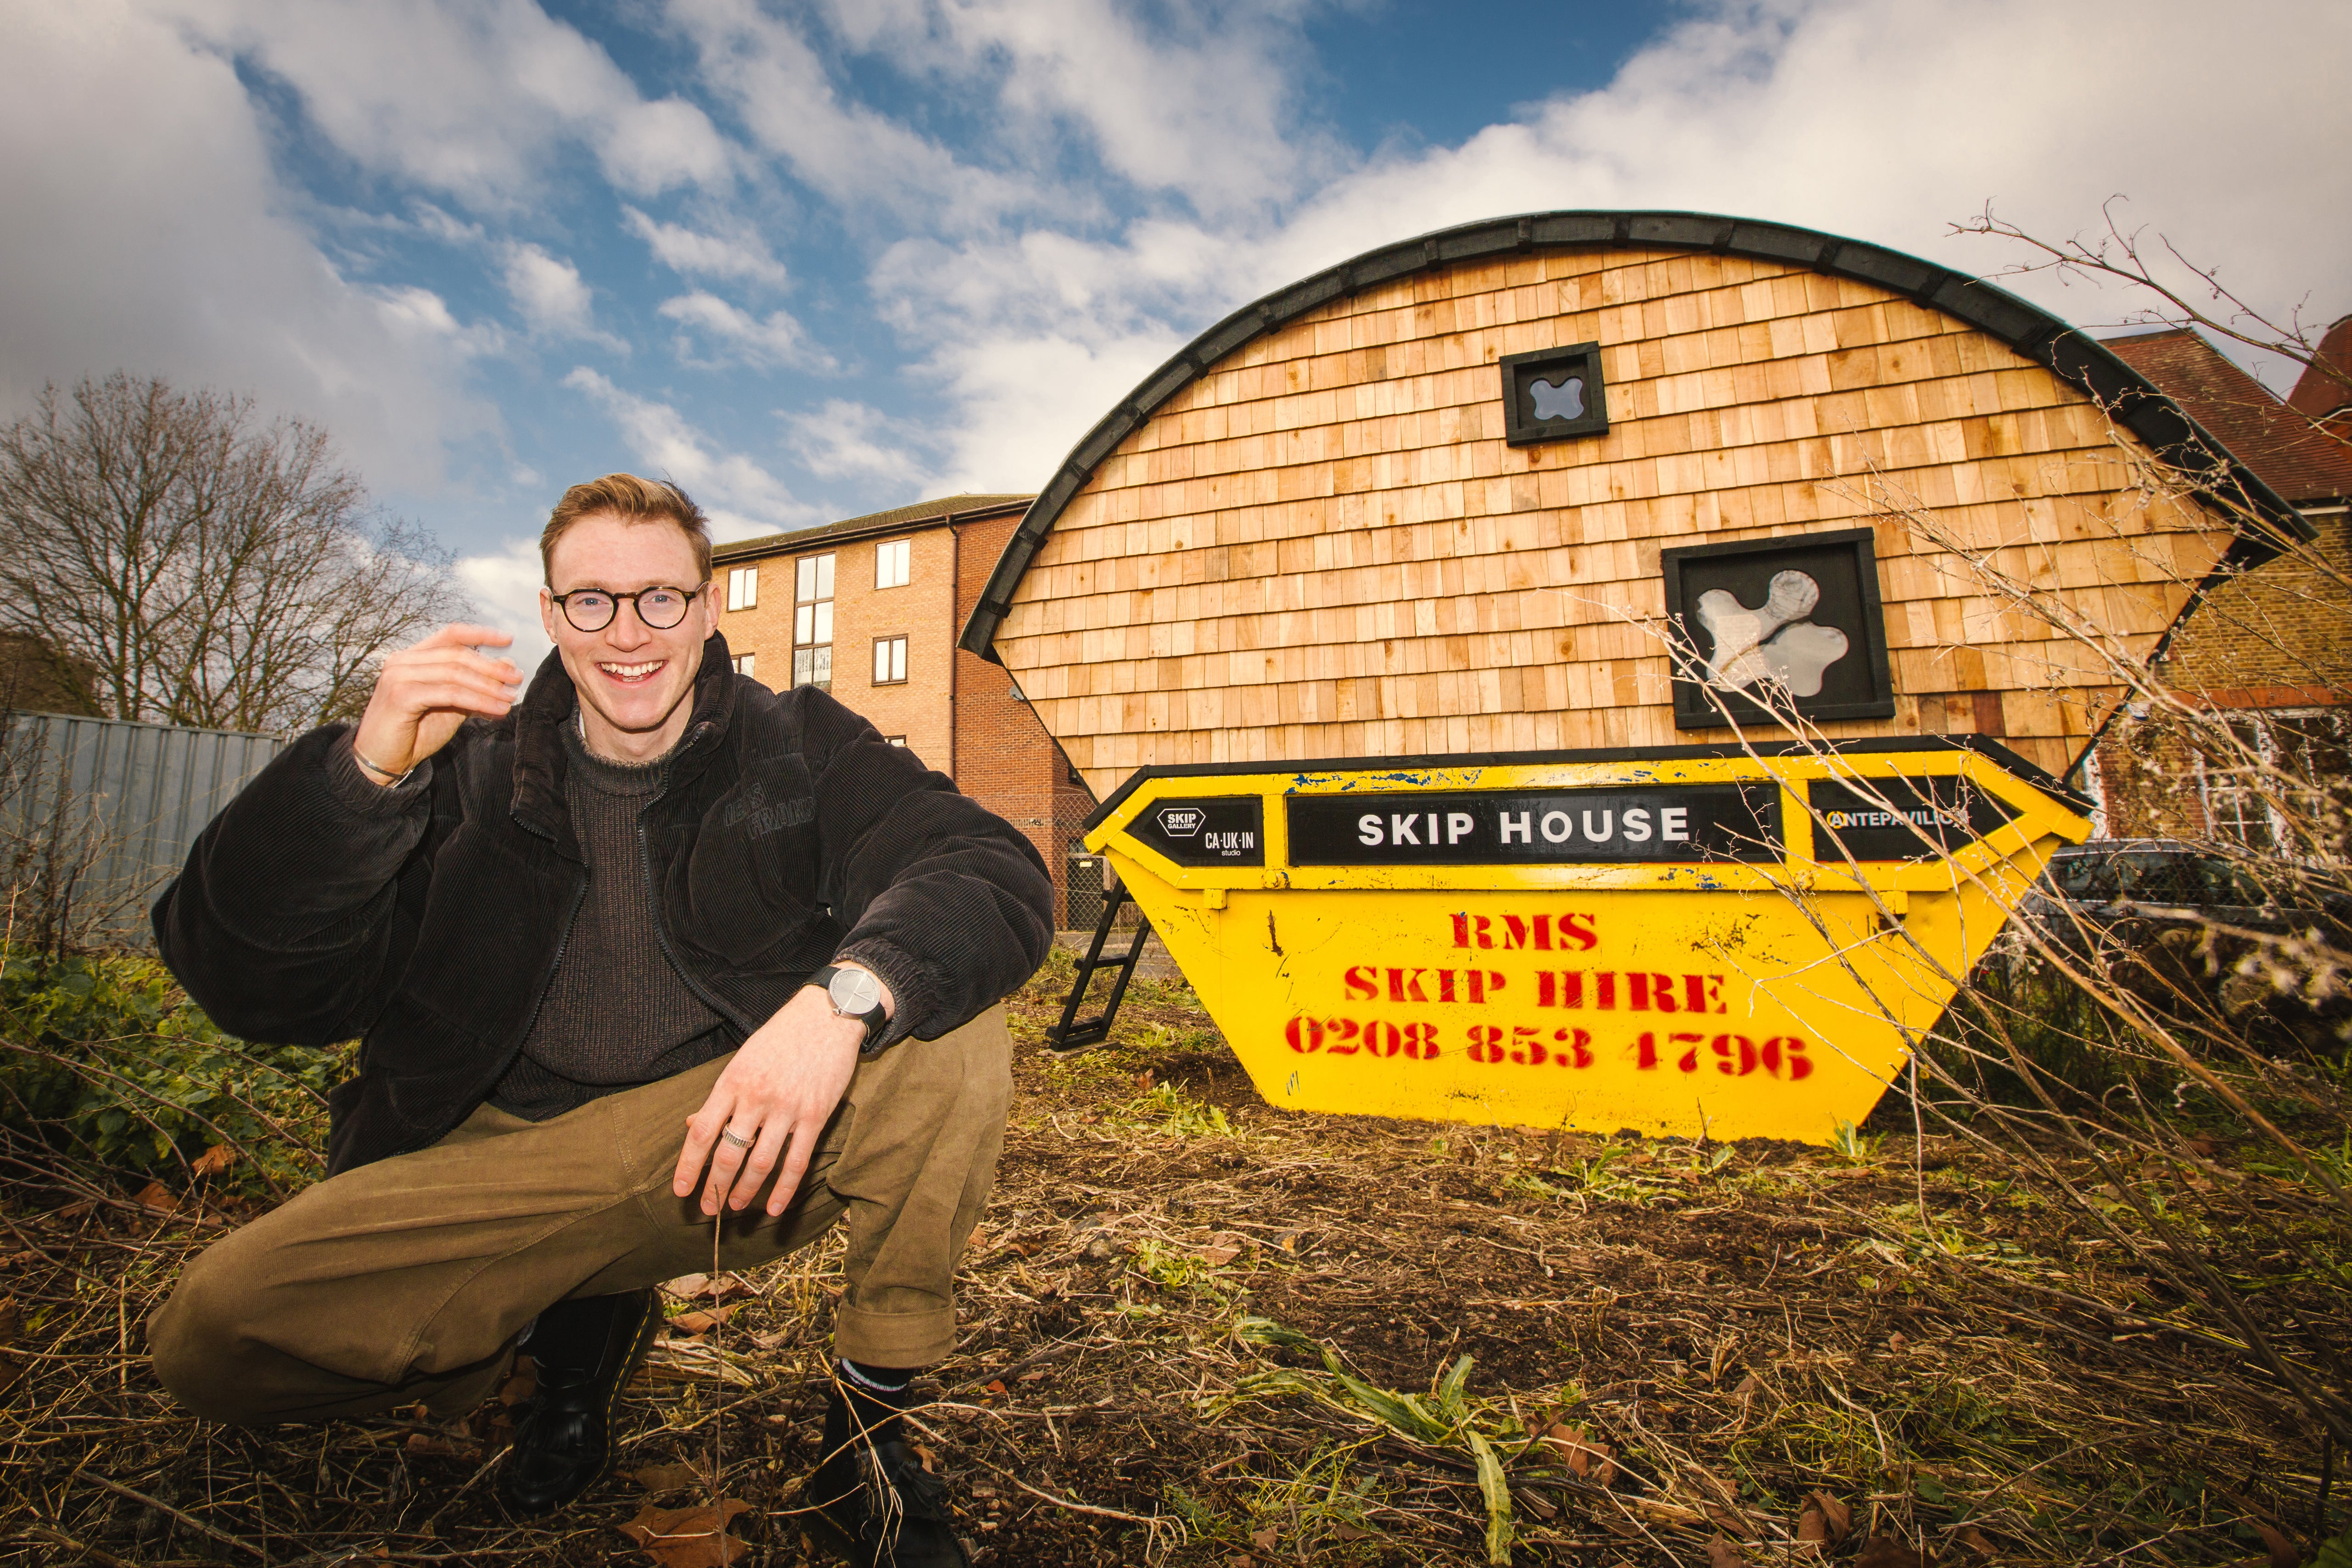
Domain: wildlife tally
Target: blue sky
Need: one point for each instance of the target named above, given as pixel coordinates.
(814, 260)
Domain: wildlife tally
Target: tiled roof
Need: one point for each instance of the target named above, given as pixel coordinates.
(871, 523)
(2277, 443)
(2319, 393)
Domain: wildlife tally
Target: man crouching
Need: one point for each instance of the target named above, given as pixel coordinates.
(641, 954)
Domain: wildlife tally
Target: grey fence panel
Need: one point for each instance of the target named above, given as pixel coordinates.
(135, 795)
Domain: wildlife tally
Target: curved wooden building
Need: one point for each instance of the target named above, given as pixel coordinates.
(1438, 500)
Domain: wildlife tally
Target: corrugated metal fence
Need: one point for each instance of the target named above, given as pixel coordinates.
(122, 802)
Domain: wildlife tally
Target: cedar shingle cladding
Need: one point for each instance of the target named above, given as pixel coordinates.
(1322, 546)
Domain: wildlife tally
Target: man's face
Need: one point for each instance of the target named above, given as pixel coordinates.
(633, 680)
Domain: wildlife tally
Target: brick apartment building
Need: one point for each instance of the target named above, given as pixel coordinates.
(2273, 648)
(870, 608)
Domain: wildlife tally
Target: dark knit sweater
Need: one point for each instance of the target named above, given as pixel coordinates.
(617, 1013)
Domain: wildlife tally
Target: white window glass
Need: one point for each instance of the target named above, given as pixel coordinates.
(742, 587)
(743, 663)
(890, 562)
(812, 621)
(889, 660)
(895, 739)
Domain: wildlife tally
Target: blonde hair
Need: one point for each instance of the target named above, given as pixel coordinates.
(632, 500)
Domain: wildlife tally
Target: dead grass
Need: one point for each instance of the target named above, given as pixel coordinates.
(1675, 1353)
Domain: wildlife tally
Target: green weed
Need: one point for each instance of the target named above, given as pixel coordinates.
(103, 1055)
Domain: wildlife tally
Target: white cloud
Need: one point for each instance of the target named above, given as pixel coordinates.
(848, 439)
(741, 497)
(742, 338)
(686, 250)
(147, 233)
(1198, 104)
(420, 314)
(504, 585)
(869, 163)
(1886, 123)
(470, 97)
(551, 296)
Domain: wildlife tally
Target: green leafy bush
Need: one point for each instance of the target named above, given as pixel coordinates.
(103, 1058)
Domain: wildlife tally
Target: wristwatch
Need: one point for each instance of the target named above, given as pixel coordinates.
(854, 994)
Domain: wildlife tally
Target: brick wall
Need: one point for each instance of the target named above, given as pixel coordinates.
(1005, 760)
(922, 610)
(2280, 637)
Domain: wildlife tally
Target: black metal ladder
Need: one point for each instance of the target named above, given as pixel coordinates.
(1071, 1035)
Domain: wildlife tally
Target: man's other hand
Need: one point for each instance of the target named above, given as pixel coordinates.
(779, 1091)
(424, 693)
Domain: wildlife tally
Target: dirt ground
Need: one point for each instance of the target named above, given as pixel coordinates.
(1200, 1330)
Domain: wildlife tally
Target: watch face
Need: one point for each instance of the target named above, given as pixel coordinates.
(855, 991)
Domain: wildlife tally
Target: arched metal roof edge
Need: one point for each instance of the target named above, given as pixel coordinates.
(2065, 351)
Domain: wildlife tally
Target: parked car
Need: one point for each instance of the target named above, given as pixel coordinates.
(2157, 883)
(2172, 921)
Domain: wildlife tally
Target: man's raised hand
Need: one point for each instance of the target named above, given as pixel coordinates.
(424, 693)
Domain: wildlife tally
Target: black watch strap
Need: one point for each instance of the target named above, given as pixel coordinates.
(875, 1019)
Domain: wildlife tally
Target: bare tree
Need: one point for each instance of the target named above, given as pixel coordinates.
(190, 565)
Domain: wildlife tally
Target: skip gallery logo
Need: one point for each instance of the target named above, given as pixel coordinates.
(1778, 625)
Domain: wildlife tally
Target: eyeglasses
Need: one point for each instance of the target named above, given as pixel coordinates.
(593, 609)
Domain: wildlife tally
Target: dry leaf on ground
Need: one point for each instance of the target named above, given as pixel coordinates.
(666, 1477)
(2285, 1553)
(156, 1196)
(1587, 1457)
(1722, 1553)
(214, 1160)
(702, 1321)
(688, 1537)
(1885, 1552)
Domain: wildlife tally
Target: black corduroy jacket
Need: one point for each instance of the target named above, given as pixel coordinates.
(429, 920)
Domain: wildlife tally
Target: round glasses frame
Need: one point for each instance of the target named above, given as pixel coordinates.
(595, 607)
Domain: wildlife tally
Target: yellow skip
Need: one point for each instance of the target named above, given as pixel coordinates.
(1695, 941)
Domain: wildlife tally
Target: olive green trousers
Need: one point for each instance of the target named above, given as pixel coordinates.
(411, 1278)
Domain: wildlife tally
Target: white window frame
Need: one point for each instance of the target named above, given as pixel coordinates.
(893, 563)
(742, 587)
(2263, 829)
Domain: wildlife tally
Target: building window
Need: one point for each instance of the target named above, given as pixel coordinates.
(890, 563)
(889, 661)
(743, 663)
(742, 587)
(813, 622)
(895, 739)
(2284, 791)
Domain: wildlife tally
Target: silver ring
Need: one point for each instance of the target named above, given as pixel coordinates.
(736, 1137)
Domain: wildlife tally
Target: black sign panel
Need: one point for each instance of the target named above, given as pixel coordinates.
(1212, 830)
(1771, 626)
(1546, 826)
(1901, 819)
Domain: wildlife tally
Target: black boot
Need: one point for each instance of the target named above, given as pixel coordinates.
(584, 1351)
(876, 1505)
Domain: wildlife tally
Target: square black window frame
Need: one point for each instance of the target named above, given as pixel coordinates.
(1842, 562)
(1520, 425)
